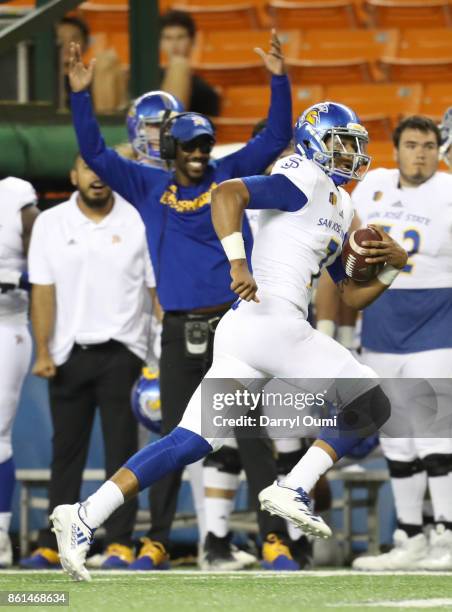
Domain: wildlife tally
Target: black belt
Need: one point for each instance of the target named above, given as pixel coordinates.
(189, 314)
(212, 318)
(94, 347)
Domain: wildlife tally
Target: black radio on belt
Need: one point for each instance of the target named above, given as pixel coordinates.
(196, 337)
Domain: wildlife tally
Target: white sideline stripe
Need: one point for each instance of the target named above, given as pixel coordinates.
(194, 573)
(402, 603)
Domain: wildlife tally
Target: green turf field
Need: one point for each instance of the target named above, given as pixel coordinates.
(245, 591)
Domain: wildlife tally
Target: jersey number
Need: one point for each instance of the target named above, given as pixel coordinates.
(412, 247)
(331, 248)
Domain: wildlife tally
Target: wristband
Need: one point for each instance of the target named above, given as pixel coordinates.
(388, 275)
(346, 336)
(327, 327)
(233, 246)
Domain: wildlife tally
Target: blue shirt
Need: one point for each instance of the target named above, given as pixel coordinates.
(190, 265)
(408, 321)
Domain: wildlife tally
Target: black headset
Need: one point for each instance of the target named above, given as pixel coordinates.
(168, 144)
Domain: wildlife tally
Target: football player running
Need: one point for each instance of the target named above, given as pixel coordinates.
(406, 334)
(266, 334)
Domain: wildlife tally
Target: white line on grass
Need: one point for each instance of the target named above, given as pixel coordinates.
(402, 603)
(243, 574)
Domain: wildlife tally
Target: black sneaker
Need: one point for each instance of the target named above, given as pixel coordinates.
(301, 550)
(218, 554)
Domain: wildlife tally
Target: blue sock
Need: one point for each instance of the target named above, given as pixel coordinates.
(359, 420)
(170, 453)
(341, 445)
(7, 482)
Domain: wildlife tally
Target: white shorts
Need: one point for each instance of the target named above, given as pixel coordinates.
(424, 364)
(273, 339)
(15, 355)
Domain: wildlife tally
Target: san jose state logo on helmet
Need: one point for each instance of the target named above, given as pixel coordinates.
(145, 400)
(323, 134)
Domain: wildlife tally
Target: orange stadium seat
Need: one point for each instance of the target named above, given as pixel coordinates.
(409, 13)
(435, 43)
(243, 107)
(329, 71)
(423, 55)
(103, 17)
(233, 130)
(253, 101)
(228, 58)
(165, 5)
(352, 56)
(304, 96)
(435, 99)
(313, 14)
(407, 70)
(382, 153)
(106, 3)
(220, 14)
(260, 7)
(6, 7)
(249, 101)
(379, 106)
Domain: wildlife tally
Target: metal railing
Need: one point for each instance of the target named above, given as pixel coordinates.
(38, 24)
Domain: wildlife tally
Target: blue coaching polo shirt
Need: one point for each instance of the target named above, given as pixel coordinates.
(190, 266)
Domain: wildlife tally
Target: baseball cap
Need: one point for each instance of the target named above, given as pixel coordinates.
(190, 126)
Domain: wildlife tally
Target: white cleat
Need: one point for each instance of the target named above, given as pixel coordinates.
(6, 551)
(440, 554)
(246, 559)
(74, 538)
(293, 505)
(407, 554)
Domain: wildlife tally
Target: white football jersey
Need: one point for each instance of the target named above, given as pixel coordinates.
(291, 248)
(14, 195)
(419, 218)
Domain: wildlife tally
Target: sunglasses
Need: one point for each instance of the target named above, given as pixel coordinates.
(205, 145)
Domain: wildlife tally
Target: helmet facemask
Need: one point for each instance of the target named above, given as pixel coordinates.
(144, 143)
(444, 151)
(344, 152)
(445, 129)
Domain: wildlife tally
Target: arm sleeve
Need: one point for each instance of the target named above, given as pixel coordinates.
(336, 270)
(39, 268)
(275, 192)
(127, 177)
(264, 148)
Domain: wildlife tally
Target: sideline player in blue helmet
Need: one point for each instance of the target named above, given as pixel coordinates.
(143, 123)
(445, 128)
(331, 135)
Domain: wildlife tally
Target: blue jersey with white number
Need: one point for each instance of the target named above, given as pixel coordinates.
(190, 266)
(415, 314)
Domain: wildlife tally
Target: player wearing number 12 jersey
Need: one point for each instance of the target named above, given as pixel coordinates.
(407, 334)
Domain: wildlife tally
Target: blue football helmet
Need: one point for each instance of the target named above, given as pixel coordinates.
(445, 129)
(150, 109)
(322, 134)
(145, 400)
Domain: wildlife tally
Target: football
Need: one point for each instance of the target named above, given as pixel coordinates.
(353, 258)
